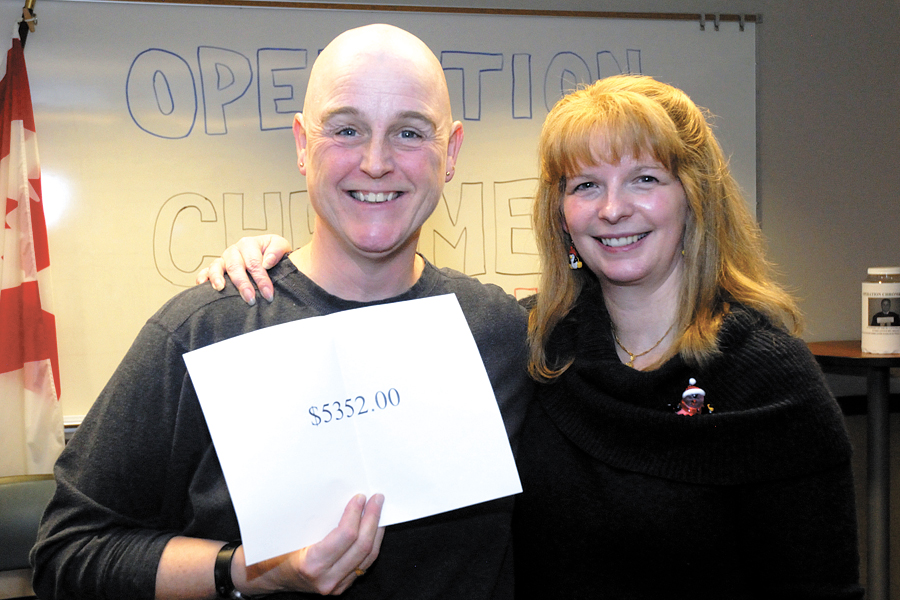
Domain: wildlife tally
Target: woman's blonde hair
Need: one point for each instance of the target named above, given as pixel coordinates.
(629, 115)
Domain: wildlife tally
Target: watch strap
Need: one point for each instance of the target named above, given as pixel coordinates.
(222, 571)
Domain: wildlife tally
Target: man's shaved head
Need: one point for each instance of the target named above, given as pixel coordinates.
(381, 50)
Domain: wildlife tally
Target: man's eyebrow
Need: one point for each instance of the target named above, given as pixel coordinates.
(418, 116)
(405, 115)
(340, 112)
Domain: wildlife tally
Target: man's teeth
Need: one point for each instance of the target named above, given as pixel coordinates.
(374, 198)
(622, 241)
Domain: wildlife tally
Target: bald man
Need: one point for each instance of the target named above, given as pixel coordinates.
(141, 508)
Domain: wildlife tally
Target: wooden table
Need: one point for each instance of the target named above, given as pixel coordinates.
(846, 356)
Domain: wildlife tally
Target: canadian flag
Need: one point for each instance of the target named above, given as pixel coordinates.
(31, 424)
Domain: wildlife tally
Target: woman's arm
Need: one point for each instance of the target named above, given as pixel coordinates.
(250, 255)
(801, 537)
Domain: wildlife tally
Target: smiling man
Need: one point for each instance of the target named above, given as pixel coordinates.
(141, 508)
(377, 143)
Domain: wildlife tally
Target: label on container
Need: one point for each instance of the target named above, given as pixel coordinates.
(881, 318)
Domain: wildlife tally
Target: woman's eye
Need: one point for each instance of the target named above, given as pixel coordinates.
(584, 186)
(647, 179)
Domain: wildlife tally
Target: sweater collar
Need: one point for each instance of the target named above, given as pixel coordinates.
(773, 417)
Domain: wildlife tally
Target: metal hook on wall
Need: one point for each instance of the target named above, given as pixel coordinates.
(28, 15)
(28, 21)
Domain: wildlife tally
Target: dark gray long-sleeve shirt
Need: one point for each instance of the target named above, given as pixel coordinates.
(142, 467)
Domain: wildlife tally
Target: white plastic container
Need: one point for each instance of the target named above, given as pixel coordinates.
(881, 311)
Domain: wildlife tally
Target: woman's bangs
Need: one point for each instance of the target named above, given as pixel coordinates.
(604, 128)
(631, 132)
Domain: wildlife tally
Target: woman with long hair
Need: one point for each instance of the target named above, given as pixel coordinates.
(682, 442)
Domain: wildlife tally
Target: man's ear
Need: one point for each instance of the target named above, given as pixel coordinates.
(300, 139)
(453, 146)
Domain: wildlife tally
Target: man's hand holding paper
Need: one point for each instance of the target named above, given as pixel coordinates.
(390, 399)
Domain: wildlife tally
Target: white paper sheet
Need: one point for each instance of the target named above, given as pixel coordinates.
(390, 399)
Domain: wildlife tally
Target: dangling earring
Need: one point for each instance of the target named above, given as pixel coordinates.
(574, 259)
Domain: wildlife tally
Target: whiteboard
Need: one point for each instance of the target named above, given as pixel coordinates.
(164, 135)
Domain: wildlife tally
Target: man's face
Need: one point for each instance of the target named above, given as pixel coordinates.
(374, 144)
(885, 306)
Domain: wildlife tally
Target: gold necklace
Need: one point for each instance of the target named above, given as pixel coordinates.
(631, 356)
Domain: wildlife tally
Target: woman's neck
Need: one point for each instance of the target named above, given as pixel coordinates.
(643, 321)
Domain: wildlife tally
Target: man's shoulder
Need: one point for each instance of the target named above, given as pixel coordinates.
(195, 300)
(470, 290)
(494, 317)
(206, 303)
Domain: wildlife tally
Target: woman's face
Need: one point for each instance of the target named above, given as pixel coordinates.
(627, 220)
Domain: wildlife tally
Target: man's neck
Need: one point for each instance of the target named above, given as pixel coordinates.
(359, 278)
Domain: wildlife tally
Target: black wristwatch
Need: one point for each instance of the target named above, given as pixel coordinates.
(222, 572)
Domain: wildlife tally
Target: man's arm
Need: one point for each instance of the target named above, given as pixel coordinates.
(328, 567)
(124, 493)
